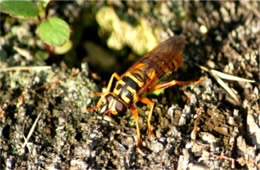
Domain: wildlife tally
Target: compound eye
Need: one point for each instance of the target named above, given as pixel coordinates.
(120, 107)
(109, 98)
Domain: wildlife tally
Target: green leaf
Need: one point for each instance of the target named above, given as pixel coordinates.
(54, 31)
(64, 48)
(21, 8)
(43, 4)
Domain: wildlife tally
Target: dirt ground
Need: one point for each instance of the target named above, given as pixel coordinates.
(43, 123)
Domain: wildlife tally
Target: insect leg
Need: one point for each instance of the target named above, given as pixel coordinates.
(165, 85)
(97, 106)
(114, 75)
(135, 114)
(97, 94)
(151, 104)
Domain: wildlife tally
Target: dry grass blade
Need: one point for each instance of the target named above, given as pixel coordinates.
(218, 75)
(230, 77)
(23, 52)
(31, 130)
(227, 88)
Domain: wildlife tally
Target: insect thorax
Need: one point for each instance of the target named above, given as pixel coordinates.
(126, 88)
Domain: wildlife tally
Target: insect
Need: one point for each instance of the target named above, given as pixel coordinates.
(141, 78)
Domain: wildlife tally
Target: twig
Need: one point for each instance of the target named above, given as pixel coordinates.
(196, 128)
(18, 68)
(241, 160)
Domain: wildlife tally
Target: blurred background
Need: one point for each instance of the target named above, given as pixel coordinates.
(110, 35)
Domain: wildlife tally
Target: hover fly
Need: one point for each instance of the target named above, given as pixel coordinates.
(141, 78)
